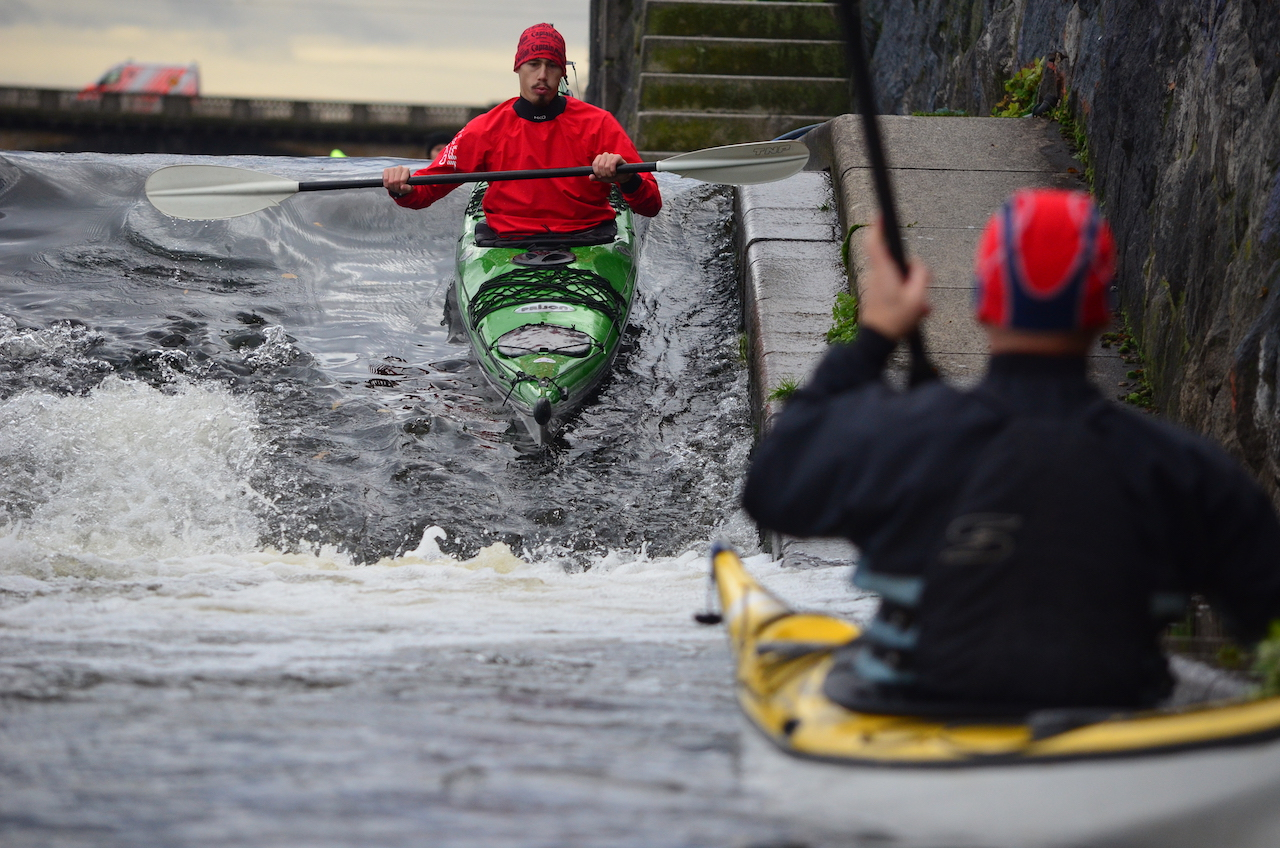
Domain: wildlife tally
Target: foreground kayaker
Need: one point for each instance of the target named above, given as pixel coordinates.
(1029, 539)
(539, 129)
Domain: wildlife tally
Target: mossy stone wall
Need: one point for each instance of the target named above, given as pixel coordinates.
(697, 74)
(677, 55)
(746, 94)
(766, 20)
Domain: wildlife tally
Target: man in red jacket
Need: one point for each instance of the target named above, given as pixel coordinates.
(539, 129)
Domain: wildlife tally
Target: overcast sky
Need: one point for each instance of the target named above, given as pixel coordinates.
(404, 51)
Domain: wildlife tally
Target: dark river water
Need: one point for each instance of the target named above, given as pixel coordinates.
(324, 318)
(276, 569)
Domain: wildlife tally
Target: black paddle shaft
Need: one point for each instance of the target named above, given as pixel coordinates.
(480, 177)
(922, 370)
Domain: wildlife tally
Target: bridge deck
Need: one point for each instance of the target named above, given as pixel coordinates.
(57, 119)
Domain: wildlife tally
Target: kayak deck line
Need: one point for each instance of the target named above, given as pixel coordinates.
(783, 658)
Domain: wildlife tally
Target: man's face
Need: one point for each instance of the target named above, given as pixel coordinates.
(539, 81)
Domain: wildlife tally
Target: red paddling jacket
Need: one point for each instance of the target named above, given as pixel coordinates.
(517, 135)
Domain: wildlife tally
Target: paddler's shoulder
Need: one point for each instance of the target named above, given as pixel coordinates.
(574, 106)
(499, 112)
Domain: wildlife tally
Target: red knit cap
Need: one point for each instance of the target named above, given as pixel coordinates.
(1045, 262)
(541, 41)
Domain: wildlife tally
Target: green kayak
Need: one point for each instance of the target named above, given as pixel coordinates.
(545, 315)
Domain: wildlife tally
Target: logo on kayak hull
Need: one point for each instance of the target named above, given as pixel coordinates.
(544, 307)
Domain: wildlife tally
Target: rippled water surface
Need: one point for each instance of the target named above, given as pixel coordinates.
(275, 569)
(323, 318)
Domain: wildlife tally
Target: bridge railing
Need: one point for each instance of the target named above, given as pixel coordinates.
(236, 108)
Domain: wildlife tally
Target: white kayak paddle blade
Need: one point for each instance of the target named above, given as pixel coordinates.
(210, 192)
(741, 164)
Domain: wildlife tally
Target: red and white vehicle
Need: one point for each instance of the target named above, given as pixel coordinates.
(146, 78)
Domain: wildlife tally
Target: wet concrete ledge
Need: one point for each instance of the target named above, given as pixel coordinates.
(949, 175)
(788, 239)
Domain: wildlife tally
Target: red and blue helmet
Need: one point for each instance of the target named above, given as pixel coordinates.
(1045, 262)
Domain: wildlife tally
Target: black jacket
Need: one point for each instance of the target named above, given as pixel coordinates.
(1029, 539)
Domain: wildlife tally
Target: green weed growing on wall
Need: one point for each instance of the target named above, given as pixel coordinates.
(1074, 133)
(844, 319)
(787, 387)
(1020, 92)
(1267, 663)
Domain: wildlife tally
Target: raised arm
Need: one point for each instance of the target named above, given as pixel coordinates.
(833, 436)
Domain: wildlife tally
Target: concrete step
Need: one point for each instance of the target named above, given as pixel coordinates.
(684, 131)
(739, 19)
(744, 94)
(742, 56)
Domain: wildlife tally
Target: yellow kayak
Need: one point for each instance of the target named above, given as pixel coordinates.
(1207, 775)
(783, 658)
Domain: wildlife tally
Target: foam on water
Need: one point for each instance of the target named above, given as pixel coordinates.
(128, 471)
(493, 597)
(131, 518)
(221, 620)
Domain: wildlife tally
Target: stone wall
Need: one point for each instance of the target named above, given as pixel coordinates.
(615, 53)
(1180, 102)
